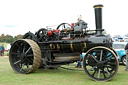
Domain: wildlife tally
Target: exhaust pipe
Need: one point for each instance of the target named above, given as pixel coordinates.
(98, 19)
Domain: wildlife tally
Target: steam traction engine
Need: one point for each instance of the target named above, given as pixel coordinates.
(52, 48)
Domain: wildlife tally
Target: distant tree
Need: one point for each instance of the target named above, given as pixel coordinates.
(19, 36)
(2, 38)
(15, 38)
(9, 39)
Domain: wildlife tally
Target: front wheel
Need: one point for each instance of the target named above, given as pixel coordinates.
(100, 63)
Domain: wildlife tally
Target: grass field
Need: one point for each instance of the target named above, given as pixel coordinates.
(55, 77)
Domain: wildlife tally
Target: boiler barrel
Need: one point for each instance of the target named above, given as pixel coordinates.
(68, 47)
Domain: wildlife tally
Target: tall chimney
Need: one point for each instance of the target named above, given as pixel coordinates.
(98, 18)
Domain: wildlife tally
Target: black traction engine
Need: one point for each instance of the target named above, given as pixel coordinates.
(52, 48)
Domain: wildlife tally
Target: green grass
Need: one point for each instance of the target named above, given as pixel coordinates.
(55, 77)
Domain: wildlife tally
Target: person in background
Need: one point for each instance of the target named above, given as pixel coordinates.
(126, 52)
(2, 50)
(79, 64)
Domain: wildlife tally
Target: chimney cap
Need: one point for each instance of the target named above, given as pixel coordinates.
(98, 6)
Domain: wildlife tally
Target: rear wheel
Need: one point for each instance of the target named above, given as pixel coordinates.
(25, 56)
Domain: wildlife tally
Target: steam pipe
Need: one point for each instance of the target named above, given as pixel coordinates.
(98, 18)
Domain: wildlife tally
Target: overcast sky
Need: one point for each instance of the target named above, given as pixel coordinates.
(21, 16)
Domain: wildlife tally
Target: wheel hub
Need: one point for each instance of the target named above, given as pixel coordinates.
(100, 64)
(22, 56)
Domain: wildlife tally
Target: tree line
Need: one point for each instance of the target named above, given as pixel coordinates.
(9, 38)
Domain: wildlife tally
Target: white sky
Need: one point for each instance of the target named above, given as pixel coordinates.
(21, 16)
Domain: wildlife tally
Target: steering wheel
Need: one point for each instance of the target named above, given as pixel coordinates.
(64, 26)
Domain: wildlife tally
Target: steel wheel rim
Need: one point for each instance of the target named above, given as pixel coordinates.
(101, 68)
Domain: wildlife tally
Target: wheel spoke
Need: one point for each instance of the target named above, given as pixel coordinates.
(17, 61)
(14, 53)
(23, 60)
(107, 60)
(22, 66)
(103, 73)
(95, 58)
(110, 63)
(101, 55)
(31, 61)
(28, 50)
(94, 72)
(98, 73)
(24, 47)
(91, 68)
(107, 71)
(18, 46)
